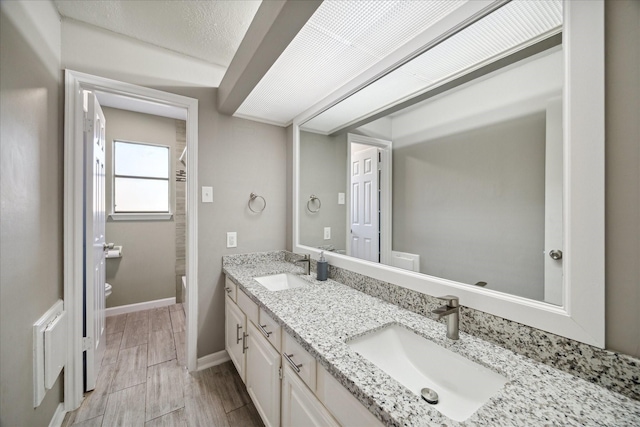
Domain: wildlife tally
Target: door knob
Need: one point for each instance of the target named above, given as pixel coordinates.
(555, 254)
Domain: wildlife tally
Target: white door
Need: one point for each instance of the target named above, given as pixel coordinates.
(263, 378)
(553, 271)
(365, 215)
(94, 260)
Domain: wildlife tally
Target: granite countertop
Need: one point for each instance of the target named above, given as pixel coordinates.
(323, 316)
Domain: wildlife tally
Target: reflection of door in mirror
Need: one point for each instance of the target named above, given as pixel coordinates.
(365, 199)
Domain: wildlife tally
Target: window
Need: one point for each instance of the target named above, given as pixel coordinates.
(140, 178)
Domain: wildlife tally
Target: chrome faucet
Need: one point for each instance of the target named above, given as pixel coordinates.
(452, 312)
(307, 259)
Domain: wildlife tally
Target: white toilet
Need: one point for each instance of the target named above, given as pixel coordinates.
(107, 290)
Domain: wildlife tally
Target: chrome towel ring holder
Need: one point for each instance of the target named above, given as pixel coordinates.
(313, 200)
(252, 198)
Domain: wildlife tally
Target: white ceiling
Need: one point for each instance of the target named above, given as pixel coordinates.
(207, 30)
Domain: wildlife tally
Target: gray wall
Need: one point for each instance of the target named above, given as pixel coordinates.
(323, 173)
(146, 272)
(31, 200)
(236, 157)
(622, 177)
(472, 205)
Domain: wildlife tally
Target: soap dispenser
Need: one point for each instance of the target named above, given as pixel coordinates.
(322, 268)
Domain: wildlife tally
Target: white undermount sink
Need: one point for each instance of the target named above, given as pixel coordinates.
(281, 282)
(463, 386)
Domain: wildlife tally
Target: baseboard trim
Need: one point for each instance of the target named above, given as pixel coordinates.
(213, 359)
(58, 416)
(130, 308)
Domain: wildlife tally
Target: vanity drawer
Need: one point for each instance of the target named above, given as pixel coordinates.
(270, 329)
(303, 363)
(249, 307)
(230, 288)
(341, 403)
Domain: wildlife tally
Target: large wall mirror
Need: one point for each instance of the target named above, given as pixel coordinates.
(474, 168)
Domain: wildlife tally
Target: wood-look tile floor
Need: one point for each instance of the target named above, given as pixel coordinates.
(143, 380)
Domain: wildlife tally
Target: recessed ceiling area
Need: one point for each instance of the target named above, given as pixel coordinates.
(340, 40)
(207, 30)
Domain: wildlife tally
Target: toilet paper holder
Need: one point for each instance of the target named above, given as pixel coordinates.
(113, 251)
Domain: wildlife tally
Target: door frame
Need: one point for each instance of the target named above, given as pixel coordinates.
(75, 83)
(386, 220)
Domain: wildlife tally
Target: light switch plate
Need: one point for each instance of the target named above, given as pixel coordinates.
(327, 233)
(232, 239)
(341, 198)
(207, 194)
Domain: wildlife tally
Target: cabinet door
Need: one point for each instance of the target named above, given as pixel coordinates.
(263, 379)
(234, 335)
(300, 407)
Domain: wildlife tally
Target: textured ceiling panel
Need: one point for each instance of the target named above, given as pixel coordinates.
(208, 30)
(341, 39)
(508, 29)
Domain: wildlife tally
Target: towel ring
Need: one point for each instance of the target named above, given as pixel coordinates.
(309, 204)
(254, 196)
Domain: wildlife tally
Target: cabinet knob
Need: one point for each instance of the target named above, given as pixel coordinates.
(555, 254)
(264, 331)
(238, 327)
(293, 364)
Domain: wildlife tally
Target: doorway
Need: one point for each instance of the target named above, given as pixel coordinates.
(135, 98)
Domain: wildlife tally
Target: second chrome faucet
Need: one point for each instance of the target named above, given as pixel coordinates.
(306, 259)
(451, 310)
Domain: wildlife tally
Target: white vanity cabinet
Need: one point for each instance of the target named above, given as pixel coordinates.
(230, 288)
(300, 407)
(250, 344)
(235, 335)
(285, 382)
(263, 376)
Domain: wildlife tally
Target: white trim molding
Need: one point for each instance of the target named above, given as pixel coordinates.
(581, 317)
(75, 84)
(139, 306)
(213, 359)
(150, 216)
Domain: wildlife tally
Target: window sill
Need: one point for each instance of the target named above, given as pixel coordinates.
(140, 216)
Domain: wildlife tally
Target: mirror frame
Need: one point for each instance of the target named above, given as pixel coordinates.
(582, 316)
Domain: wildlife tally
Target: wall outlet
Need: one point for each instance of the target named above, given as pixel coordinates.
(327, 233)
(207, 194)
(232, 239)
(341, 198)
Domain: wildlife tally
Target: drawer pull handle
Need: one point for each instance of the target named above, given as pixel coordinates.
(244, 342)
(238, 327)
(291, 362)
(264, 331)
(229, 290)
